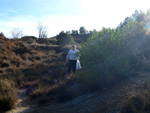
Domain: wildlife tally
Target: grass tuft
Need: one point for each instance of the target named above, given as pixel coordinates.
(8, 94)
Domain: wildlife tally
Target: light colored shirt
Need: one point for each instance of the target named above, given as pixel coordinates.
(73, 54)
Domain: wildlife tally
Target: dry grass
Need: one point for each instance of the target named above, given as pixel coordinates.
(41, 69)
(16, 76)
(38, 67)
(60, 90)
(8, 94)
(23, 66)
(136, 104)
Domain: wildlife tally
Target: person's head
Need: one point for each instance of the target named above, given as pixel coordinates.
(74, 46)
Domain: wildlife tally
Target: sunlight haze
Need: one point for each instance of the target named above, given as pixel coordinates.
(65, 15)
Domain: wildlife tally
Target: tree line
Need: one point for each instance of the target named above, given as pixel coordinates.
(43, 31)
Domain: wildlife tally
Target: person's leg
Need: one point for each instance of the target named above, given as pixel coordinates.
(69, 67)
(74, 66)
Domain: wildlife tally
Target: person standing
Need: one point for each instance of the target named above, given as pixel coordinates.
(72, 56)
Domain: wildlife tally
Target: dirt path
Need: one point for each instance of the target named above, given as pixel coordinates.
(23, 103)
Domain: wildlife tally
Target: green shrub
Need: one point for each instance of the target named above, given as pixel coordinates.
(108, 55)
(64, 38)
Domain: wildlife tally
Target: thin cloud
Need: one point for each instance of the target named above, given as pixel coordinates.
(12, 11)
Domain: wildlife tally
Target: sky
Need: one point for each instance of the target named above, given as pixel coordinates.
(65, 15)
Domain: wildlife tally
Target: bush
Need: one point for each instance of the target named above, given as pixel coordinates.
(108, 55)
(135, 104)
(8, 94)
(65, 93)
(64, 38)
(16, 76)
(43, 41)
(1, 34)
(29, 39)
(54, 41)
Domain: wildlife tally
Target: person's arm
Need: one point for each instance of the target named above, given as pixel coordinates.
(67, 57)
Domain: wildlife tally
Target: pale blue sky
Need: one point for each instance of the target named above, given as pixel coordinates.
(65, 15)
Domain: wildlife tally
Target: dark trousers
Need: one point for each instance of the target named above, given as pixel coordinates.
(72, 66)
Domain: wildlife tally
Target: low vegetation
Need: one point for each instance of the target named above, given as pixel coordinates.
(136, 104)
(64, 38)
(36, 64)
(111, 55)
(8, 94)
(107, 56)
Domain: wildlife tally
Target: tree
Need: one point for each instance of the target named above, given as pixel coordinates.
(1, 34)
(16, 33)
(82, 30)
(74, 32)
(139, 15)
(64, 38)
(42, 30)
(67, 32)
(136, 16)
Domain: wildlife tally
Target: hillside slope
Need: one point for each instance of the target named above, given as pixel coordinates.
(43, 86)
(111, 100)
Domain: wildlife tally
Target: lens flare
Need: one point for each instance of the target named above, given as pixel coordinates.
(148, 27)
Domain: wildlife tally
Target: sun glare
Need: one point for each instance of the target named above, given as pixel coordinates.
(148, 27)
